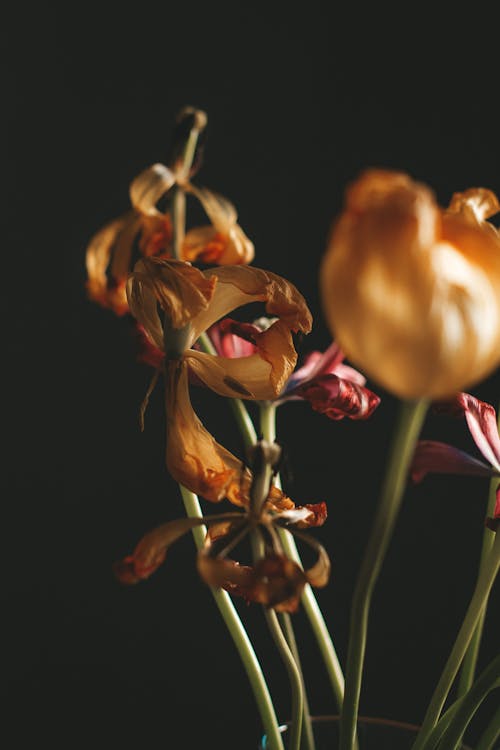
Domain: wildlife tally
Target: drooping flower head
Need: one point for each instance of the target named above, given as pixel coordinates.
(174, 303)
(147, 228)
(412, 292)
(274, 580)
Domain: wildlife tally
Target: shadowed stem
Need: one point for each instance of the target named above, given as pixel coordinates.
(307, 742)
(470, 661)
(476, 607)
(239, 636)
(412, 415)
(491, 734)
(309, 602)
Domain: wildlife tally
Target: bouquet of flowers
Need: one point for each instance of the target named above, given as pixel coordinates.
(411, 293)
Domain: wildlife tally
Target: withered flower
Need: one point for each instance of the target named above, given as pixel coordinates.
(331, 387)
(274, 580)
(147, 229)
(190, 301)
(411, 291)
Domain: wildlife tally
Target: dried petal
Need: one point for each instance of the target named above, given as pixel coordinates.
(181, 290)
(240, 285)
(338, 398)
(149, 186)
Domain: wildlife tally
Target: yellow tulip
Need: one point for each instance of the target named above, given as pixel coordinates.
(411, 291)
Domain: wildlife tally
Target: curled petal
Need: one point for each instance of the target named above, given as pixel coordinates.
(149, 186)
(152, 549)
(439, 458)
(259, 376)
(275, 581)
(494, 523)
(482, 422)
(181, 290)
(476, 205)
(108, 259)
(338, 398)
(240, 285)
(194, 458)
(318, 574)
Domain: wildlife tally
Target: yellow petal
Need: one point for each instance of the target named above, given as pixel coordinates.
(211, 246)
(412, 293)
(181, 291)
(260, 376)
(240, 285)
(108, 259)
(149, 186)
(194, 458)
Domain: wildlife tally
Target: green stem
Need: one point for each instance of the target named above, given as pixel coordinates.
(309, 601)
(488, 681)
(478, 602)
(240, 637)
(307, 730)
(410, 422)
(470, 660)
(293, 675)
(434, 738)
(491, 734)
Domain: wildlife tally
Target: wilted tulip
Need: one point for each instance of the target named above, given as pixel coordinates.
(411, 291)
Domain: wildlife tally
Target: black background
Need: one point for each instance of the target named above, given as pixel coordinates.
(298, 103)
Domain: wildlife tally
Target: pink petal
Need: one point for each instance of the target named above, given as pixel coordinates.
(338, 398)
(434, 457)
(233, 339)
(482, 421)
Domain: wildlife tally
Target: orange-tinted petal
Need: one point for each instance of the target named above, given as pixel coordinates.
(152, 549)
(149, 186)
(181, 290)
(476, 205)
(108, 259)
(275, 581)
(259, 376)
(194, 458)
(240, 285)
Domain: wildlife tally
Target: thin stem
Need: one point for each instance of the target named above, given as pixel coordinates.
(179, 196)
(240, 637)
(434, 738)
(478, 602)
(293, 676)
(488, 681)
(491, 734)
(411, 418)
(309, 601)
(470, 660)
(307, 730)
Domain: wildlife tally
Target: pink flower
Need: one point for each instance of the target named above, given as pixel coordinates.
(440, 458)
(331, 387)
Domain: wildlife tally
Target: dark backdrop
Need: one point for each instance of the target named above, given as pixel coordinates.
(298, 103)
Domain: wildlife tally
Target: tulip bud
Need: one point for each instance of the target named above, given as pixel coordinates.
(412, 292)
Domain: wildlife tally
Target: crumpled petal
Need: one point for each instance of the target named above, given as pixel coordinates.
(240, 285)
(108, 259)
(181, 290)
(231, 338)
(274, 581)
(149, 186)
(303, 516)
(258, 376)
(432, 456)
(337, 398)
